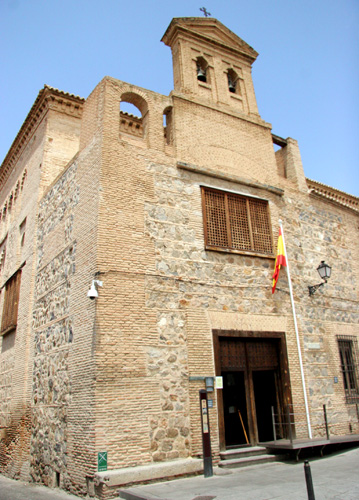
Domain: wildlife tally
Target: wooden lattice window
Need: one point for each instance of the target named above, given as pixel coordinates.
(235, 222)
(11, 302)
(349, 361)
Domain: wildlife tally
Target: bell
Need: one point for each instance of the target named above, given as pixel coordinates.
(201, 74)
(232, 87)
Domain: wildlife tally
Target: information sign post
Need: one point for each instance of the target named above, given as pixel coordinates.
(206, 437)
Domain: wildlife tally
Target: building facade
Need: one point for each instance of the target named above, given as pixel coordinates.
(175, 212)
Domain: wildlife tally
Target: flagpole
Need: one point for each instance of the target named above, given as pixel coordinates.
(297, 337)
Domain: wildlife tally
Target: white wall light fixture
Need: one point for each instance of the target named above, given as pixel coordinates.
(93, 293)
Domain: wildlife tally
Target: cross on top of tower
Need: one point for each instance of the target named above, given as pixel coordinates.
(205, 12)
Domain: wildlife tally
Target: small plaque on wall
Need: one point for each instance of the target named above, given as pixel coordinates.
(219, 382)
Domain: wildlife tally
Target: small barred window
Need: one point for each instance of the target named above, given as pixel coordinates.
(349, 360)
(236, 223)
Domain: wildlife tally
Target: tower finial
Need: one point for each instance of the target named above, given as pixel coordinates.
(205, 12)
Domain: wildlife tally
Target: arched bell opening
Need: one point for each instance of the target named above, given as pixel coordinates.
(202, 70)
(133, 114)
(233, 82)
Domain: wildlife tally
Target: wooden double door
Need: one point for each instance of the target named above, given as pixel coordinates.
(254, 369)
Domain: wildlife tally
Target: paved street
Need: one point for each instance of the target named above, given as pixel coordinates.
(18, 490)
(335, 477)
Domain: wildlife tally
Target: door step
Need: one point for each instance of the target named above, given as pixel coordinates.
(243, 457)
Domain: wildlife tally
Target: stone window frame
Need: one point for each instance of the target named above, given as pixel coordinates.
(11, 304)
(236, 223)
(349, 364)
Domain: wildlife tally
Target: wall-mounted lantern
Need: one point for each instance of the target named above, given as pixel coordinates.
(324, 272)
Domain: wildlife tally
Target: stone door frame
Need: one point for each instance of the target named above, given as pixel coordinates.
(284, 385)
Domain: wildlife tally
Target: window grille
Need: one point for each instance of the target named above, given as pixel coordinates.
(11, 302)
(349, 360)
(236, 222)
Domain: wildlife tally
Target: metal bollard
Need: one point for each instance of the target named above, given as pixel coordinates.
(326, 421)
(308, 480)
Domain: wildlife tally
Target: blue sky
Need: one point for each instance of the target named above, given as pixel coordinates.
(306, 77)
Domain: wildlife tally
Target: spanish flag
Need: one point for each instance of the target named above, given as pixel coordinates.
(280, 260)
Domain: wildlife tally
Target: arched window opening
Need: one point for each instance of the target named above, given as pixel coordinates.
(202, 70)
(233, 82)
(133, 114)
(168, 125)
(130, 109)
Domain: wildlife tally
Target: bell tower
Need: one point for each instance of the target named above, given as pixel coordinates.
(210, 63)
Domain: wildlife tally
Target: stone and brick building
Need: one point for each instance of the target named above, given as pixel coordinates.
(176, 212)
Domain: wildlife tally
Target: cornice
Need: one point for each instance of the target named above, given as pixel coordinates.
(208, 172)
(191, 27)
(333, 195)
(47, 99)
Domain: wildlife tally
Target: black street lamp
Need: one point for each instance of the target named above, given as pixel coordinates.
(324, 272)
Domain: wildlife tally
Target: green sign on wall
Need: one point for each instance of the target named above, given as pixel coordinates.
(102, 461)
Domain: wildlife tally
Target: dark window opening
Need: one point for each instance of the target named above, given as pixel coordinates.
(235, 222)
(349, 361)
(168, 125)
(57, 479)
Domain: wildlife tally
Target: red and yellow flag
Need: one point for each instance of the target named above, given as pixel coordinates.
(280, 260)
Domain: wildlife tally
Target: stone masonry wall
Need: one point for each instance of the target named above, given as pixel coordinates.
(191, 282)
(53, 334)
(319, 231)
(212, 281)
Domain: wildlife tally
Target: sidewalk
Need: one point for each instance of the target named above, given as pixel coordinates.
(19, 490)
(335, 477)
